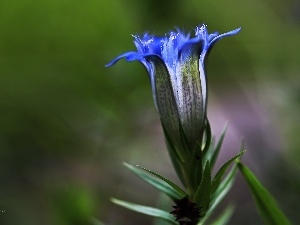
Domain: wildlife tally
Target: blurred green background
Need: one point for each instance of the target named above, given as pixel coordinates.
(67, 123)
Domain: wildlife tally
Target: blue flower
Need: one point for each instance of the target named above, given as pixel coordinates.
(176, 67)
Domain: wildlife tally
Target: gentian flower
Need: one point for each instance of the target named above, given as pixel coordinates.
(176, 67)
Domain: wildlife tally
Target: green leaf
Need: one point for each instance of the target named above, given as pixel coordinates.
(202, 195)
(174, 186)
(208, 140)
(150, 211)
(215, 154)
(159, 182)
(220, 193)
(163, 203)
(175, 158)
(266, 204)
(217, 179)
(224, 218)
(94, 221)
(196, 164)
(195, 170)
(224, 187)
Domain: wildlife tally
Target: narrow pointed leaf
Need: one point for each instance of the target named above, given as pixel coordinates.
(163, 203)
(220, 193)
(202, 196)
(94, 221)
(217, 179)
(196, 164)
(266, 204)
(224, 218)
(150, 211)
(195, 170)
(176, 160)
(174, 186)
(155, 181)
(208, 141)
(224, 187)
(215, 154)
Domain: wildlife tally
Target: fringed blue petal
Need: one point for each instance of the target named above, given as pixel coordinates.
(230, 33)
(129, 56)
(156, 45)
(169, 47)
(148, 44)
(211, 39)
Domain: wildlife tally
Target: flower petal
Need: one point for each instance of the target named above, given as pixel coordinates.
(191, 91)
(230, 33)
(165, 100)
(148, 44)
(129, 56)
(215, 39)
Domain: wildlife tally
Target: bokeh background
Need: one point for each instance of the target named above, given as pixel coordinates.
(67, 123)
